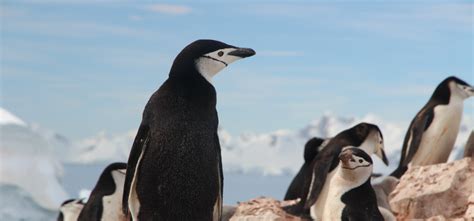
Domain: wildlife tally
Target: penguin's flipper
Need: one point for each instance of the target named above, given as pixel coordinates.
(92, 210)
(293, 190)
(318, 178)
(137, 148)
(413, 139)
(218, 205)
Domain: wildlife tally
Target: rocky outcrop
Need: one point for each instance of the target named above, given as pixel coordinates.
(469, 148)
(263, 209)
(435, 192)
(383, 189)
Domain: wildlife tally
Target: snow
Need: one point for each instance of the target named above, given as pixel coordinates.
(8, 118)
(104, 148)
(30, 173)
(32, 160)
(282, 151)
(17, 204)
(272, 153)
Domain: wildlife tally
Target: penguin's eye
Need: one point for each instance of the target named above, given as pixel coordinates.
(220, 53)
(360, 161)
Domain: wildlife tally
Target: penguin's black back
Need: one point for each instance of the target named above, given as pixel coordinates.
(296, 185)
(361, 204)
(105, 186)
(176, 177)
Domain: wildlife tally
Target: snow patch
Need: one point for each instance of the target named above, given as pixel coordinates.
(8, 118)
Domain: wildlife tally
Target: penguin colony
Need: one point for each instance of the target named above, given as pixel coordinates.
(174, 170)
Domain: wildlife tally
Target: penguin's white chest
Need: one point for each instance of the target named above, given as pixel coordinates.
(333, 205)
(438, 140)
(317, 209)
(112, 204)
(71, 212)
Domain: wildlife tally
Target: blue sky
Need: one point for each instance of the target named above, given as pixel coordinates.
(80, 67)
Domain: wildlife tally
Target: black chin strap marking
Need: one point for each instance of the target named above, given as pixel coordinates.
(348, 168)
(205, 56)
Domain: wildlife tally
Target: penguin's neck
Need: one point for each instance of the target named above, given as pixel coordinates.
(193, 87)
(348, 179)
(368, 145)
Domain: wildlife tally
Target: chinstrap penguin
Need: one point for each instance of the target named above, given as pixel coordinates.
(175, 168)
(70, 210)
(311, 149)
(350, 194)
(363, 135)
(105, 201)
(431, 135)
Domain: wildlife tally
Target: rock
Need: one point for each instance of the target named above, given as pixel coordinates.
(228, 212)
(263, 209)
(469, 148)
(383, 189)
(470, 207)
(435, 192)
(387, 215)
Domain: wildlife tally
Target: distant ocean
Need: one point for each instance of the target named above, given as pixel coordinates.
(238, 187)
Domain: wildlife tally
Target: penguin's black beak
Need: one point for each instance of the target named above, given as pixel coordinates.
(242, 52)
(471, 91)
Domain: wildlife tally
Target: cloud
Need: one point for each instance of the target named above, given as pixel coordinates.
(169, 9)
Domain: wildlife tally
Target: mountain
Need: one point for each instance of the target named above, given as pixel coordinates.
(272, 153)
(30, 172)
(37, 165)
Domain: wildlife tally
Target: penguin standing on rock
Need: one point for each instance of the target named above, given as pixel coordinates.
(311, 149)
(175, 168)
(365, 136)
(350, 194)
(431, 135)
(105, 201)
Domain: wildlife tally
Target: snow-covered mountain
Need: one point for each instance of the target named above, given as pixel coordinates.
(282, 151)
(30, 171)
(32, 158)
(272, 153)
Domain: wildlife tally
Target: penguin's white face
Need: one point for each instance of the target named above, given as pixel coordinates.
(119, 176)
(379, 148)
(208, 65)
(71, 210)
(374, 144)
(354, 168)
(461, 90)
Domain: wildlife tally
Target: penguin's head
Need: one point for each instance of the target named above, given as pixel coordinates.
(70, 209)
(370, 139)
(452, 88)
(311, 148)
(460, 88)
(356, 164)
(117, 171)
(207, 57)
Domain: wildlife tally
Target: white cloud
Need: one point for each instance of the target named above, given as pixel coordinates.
(169, 9)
